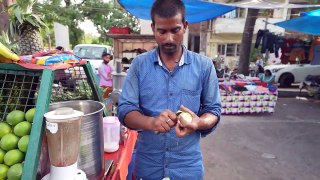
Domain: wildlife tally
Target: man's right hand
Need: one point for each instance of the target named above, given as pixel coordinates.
(164, 122)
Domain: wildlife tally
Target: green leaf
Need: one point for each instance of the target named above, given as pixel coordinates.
(39, 21)
(31, 21)
(17, 13)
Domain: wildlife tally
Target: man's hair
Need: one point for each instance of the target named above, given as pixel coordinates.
(167, 9)
(60, 48)
(105, 54)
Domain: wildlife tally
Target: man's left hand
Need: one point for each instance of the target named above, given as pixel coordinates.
(185, 128)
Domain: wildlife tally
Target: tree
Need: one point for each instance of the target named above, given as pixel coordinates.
(246, 41)
(26, 25)
(63, 12)
(106, 15)
(4, 16)
(71, 13)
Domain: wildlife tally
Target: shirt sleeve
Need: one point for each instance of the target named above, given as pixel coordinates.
(210, 96)
(129, 98)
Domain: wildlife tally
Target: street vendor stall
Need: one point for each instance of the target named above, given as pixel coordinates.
(247, 96)
(127, 45)
(32, 85)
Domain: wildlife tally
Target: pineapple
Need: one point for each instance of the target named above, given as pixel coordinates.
(30, 41)
(25, 25)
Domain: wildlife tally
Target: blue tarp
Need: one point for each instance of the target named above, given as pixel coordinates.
(309, 23)
(196, 10)
(311, 13)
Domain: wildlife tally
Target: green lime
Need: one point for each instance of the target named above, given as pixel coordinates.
(15, 172)
(22, 129)
(9, 142)
(23, 143)
(13, 157)
(2, 153)
(14, 117)
(4, 129)
(3, 171)
(30, 114)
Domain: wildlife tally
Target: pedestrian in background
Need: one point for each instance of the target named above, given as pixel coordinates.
(161, 82)
(259, 65)
(105, 71)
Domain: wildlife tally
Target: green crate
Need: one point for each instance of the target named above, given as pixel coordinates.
(22, 89)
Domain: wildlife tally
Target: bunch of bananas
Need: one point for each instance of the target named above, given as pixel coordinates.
(7, 56)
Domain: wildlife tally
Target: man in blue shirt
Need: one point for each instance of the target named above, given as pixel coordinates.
(161, 82)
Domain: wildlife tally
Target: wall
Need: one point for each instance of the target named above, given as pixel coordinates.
(225, 25)
(145, 27)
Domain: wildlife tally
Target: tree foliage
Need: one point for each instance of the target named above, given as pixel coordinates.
(106, 15)
(72, 13)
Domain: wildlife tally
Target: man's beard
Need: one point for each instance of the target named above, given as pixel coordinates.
(169, 48)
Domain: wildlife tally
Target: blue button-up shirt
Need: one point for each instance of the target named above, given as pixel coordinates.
(150, 88)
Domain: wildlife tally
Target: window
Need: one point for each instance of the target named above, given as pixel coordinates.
(238, 50)
(237, 13)
(222, 49)
(229, 49)
(263, 13)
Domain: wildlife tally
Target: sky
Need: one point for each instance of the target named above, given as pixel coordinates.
(88, 27)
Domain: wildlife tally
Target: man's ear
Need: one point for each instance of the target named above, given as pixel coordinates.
(152, 27)
(185, 25)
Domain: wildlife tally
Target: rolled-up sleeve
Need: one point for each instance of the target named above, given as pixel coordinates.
(129, 98)
(210, 96)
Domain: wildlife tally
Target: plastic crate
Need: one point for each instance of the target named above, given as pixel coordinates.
(22, 89)
(119, 30)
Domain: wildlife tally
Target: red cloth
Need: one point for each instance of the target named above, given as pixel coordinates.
(122, 157)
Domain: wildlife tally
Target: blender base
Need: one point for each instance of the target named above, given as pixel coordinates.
(65, 173)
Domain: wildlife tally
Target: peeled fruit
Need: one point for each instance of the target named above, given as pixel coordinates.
(15, 117)
(4, 129)
(23, 143)
(3, 171)
(13, 157)
(186, 117)
(30, 114)
(9, 142)
(22, 129)
(15, 172)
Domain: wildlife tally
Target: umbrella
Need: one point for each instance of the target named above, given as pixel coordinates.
(196, 10)
(311, 13)
(308, 23)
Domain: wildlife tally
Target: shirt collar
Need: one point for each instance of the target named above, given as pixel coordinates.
(181, 61)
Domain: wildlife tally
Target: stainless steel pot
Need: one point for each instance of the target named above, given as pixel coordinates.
(91, 157)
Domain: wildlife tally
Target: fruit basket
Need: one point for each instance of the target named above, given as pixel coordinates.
(23, 89)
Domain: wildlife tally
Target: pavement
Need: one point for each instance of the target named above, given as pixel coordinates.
(292, 91)
(284, 145)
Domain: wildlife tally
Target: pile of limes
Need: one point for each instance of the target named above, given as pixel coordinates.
(14, 139)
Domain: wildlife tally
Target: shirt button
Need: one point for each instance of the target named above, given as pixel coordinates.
(170, 94)
(167, 149)
(166, 166)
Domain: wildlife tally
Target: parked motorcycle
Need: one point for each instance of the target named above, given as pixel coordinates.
(312, 85)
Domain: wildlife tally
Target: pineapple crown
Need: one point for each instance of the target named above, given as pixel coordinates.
(22, 17)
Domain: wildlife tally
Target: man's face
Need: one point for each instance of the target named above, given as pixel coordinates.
(169, 32)
(106, 59)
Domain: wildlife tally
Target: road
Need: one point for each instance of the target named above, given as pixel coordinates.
(284, 145)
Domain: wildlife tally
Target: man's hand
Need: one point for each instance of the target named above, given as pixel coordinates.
(164, 122)
(184, 127)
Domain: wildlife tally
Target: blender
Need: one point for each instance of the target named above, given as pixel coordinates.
(63, 135)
